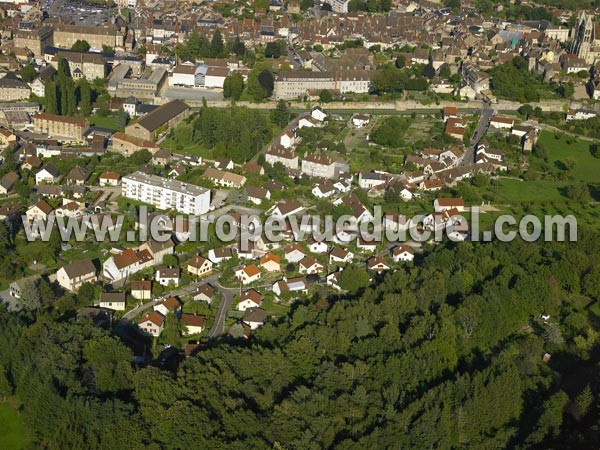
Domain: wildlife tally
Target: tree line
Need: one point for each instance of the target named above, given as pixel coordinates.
(236, 132)
(62, 93)
(448, 353)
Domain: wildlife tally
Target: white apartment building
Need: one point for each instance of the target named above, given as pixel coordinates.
(287, 157)
(339, 6)
(319, 166)
(164, 193)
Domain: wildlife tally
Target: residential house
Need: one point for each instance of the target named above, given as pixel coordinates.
(324, 190)
(294, 253)
(40, 211)
(167, 276)
(395, 222)
(126, 263)
(450, 112)
(369, 180)
(309, 265)
(248, 274)
(360, 120)
(225, 179)
(31, 162)
(70, 208)
(287, 139)
(48, 174)
(308, 122)
(456, 128)
(284, 286)
(333, 279)
(152, 324)
(257, 195)
(224, 164)
(218, 255)
(254, 317)
(317, 113)
(8, 181)
(199, 266)
(403, 253)
(141, 290)
(502, 122)
(72, 276)
(286, 208)
(77, 176)
(340, 255)
(7, 137)
(169, 305)
(193, 324)
(204, 293)
(270, 262)
(378, 264)
(109, 179)
(366, 246)
(249, 299)
(17, 286)
(443, 204)
(112, 300)
(315, 246)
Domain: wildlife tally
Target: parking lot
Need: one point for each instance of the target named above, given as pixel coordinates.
(79, 13)
(192, 94)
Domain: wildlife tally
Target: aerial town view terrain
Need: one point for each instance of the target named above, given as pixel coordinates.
(299, 224)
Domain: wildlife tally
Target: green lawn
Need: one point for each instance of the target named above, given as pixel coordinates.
(516, 191)
(196, 150)
(586, 166)
(109, 122)
(273, 308)
(13, 434)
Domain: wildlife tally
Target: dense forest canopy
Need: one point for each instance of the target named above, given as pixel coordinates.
(444, 354)
(235, 132)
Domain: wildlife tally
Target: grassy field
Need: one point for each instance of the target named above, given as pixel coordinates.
(586, 166)
(13, 433)
(109, 122)
(517, 191)
(196, 150)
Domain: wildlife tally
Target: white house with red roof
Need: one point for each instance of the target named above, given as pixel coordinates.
(248, 274)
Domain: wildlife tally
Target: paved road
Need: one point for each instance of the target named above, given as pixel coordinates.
(185, 290)
(227, 294)
(217, 329)
(482, 126)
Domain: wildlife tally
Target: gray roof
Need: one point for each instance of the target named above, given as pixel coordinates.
(255, 315)
(173, 185)
(162, 115)
(79, 268)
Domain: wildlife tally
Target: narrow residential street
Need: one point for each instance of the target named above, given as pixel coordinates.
(226, 294)
(482, 126)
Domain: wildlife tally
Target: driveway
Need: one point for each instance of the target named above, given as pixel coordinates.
(11, 302)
